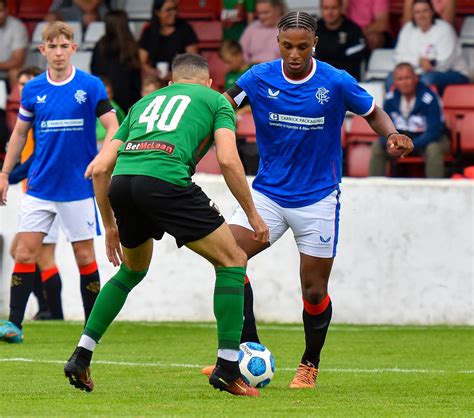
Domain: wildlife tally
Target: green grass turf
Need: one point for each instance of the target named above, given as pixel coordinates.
(154, 369)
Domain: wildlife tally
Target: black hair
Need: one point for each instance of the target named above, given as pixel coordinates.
(190, 63)
(118, 39)
(155, 24)
(298, 20)
(157, 5)
(32, 71)
(428, 2)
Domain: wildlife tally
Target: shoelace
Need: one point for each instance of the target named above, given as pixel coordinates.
(307, 374)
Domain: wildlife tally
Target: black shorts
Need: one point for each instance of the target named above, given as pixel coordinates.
(146, 207)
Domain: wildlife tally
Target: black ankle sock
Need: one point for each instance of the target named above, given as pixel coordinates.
(315, 328)
(83, 356)
(38, 291)
(249, 331)
(227, 370)
(52, 288)
(22, 284)
(90, 287)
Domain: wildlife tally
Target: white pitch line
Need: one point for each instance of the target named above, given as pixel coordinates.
(198, 366)
(332, 328)
(284, 327)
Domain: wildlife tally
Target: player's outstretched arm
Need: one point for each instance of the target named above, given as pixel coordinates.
(397, 144)
(15, 146)
(103, 167)
(110, 122)
(234, 176)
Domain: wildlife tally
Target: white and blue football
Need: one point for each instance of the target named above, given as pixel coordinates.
(257, 364)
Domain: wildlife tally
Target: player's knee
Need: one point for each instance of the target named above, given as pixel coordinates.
(236, 258)
(136, 265)
(84, 255)
(25, 255)
(314, 294)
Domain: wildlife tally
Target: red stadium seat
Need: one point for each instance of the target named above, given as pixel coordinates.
(199, 9)
(358, 142)
(246, 127)
(343, 137)
(357, 159)
(217, 68)
(360, 132)
(458, 101)
(209, 33)
(467, 133)
(465, 7)
(208, 163)
(32, 9)
(469, 172)
(396, 6)
(13, 105)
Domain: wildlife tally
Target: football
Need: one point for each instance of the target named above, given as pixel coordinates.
(257, 364)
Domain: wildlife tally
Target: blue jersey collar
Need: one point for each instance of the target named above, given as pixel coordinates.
(61, 83)
(303, 80)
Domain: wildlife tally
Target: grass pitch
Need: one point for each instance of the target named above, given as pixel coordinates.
(143, 369)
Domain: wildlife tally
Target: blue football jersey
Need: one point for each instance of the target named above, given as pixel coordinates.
(64, 119)
(298, 126)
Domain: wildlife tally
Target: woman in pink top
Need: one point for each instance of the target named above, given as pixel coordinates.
(372, 17)
(259, 40)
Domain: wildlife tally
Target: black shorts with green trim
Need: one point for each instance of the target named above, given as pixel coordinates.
(147, 207)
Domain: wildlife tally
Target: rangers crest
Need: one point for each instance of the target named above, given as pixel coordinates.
(80, 96)
(322, 95)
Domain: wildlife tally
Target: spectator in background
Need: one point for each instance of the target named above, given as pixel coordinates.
(446, 10)
(372, 17)
(341, 42)
(431, 45)
(232, 54)
(149, 84)
(13, 44)
(235, 16)
(259, 40)
(84, 11)
(116, 57)
(416, 112)
(164, 38)
(100, 131)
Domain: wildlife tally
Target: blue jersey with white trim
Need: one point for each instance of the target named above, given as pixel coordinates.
(298, 125)
(64, 118)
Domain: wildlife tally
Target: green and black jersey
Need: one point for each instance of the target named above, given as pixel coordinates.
(167, 132)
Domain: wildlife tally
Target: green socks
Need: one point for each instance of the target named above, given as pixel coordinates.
(110, 301)
(228, 303)
(229, 306)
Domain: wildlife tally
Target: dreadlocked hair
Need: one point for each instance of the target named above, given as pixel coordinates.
(298, 20)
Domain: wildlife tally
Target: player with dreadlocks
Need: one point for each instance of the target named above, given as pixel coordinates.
(299, 104)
